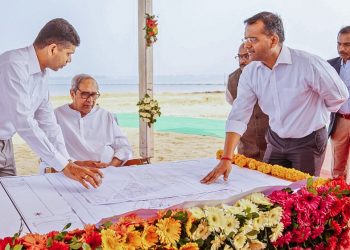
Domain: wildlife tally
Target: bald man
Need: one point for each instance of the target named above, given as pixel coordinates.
(253, 142)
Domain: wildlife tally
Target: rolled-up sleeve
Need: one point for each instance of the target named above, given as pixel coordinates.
(17, 102)
(121, 146)
(242, 106)
(329, 85)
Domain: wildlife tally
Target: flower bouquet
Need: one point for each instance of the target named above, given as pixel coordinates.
(149, 110)
(151, 29)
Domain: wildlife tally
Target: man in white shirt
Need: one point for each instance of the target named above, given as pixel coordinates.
(339, 128)
(294, 88)
(91, 134)
(25, 106)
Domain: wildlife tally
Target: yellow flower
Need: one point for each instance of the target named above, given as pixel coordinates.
(188, 225)
(252, 164)
(169, 231)
(109, 239)
(219, 154)
(256, 245)
(217, 242)
(276, 232)
(227, 247)
(215, 217)
(197, 212)
(149, 237)
(190, 246)
(202, 231)
(259, 198)
(133, 239)
(265, 168)
(318, 182)
(239, 240)
(231, 225)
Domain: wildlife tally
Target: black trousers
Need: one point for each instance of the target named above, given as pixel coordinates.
(305, 154)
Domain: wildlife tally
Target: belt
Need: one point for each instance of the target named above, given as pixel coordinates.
(345, 116)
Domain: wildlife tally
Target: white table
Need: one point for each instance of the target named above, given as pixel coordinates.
(48, 202)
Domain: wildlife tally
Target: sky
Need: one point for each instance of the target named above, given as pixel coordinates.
(196, 37)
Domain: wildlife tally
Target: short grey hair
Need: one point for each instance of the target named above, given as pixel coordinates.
(78, 79)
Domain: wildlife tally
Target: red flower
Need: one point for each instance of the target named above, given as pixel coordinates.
(283, 240)
(345, 240)
(34, 241)
(320, 246)
(93, 239)
(317, 231)
(335, 208)
(58, 245)
(336, 227)
(332, 243)
(301, 234)
(4, 242)
(307, 200)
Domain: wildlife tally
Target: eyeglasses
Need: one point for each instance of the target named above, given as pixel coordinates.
(87, 95)
(249, 40)
(242, 56)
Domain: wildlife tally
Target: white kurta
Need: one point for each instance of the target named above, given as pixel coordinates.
(95, 136)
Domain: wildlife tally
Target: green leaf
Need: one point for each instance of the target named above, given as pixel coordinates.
(181, 216)
(18, 247)
(168, 214)
(86, 246)
(67, 226)
(75, 245)
(253, 232)
(107, 224)
(49, 242)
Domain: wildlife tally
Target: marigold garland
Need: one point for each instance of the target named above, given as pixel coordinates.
(290, 174)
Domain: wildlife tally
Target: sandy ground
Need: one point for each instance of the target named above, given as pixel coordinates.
(167, 146)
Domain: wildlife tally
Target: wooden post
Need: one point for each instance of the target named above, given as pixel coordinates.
(146, 141)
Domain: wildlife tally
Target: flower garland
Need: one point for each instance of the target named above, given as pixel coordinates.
(151, 29)
(317, 216)
(149, 110)
(290, 174)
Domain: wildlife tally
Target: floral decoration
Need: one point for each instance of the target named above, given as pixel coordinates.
(316, 216)
(149, 110)
(151, 29)
(290, 174)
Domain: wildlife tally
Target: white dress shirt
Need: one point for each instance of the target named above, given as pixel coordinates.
(297, 94)
(95, 136)
(25, 106)
(345, 76)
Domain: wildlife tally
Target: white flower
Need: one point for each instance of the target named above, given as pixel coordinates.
(197, 212)
(259, 198)
(146, 119)
(260, 222)
(156, 116)
(231, 224)
(217, 242)
(247, 206)
(274, 216)
(276, 232)
(215, 217)
(239, 240)
(202, 231)
(227, 247)
(146, 100)
(233, 209)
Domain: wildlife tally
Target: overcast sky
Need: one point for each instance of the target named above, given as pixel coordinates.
(196, 37)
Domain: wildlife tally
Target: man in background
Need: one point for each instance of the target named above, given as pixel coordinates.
(294, 88)
(252, 143)
(25, 106)
(339, 129)
(91, 134)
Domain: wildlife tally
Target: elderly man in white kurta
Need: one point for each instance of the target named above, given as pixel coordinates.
(92, 136)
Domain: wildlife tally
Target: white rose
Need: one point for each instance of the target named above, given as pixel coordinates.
(146, 120)
(147, 100)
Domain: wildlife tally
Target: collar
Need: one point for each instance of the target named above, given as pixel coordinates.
(76, 113)
(33, 66)
(284, 57)
(342, 62)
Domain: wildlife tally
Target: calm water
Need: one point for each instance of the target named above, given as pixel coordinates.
(61, 86)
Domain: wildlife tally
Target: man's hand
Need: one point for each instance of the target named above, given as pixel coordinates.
(84, 175)
(92, 164)
(223, 168)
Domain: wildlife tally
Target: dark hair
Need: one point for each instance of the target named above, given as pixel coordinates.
(272, 22)
(344, 30)
(57, 31)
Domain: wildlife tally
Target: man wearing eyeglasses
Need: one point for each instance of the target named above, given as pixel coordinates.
(25, 106)
(92, 135)
(252, 143)
(296, 89)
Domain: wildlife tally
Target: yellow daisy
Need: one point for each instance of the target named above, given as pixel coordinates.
(239, 240)
(149, 237)
(202, 231)
(231, 225)
(276, 232)
(259, 198)
(109, 239)
(168, 230)
(274, 216)
(197, 212)
(215, 217)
